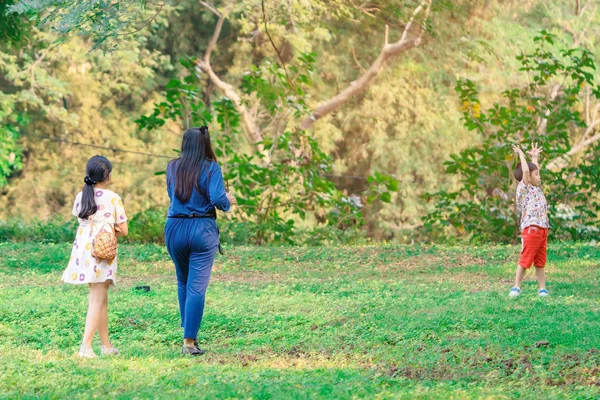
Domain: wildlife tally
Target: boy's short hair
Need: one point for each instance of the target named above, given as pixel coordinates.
(518, 172)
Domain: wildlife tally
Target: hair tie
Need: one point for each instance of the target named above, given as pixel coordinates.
(89, 181)
(204, 130)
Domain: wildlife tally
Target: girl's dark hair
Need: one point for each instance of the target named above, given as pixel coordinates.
(518, 172)
(97, 170)
(196, 150)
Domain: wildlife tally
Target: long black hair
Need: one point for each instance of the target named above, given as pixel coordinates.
(97, 170)
(196, 153)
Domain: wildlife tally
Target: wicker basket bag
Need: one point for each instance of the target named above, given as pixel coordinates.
(104, 245)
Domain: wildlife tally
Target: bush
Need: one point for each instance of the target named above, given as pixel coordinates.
(49, 231)
(144, 227)
(148, 227)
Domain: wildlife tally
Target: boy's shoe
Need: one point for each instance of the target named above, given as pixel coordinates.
(514, 292)
(192, 351)
(543, 293)
(109, 351)
(86, 352)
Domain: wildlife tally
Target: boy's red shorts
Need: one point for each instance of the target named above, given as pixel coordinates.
(534, 240)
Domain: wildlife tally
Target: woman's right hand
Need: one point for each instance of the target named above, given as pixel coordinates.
(231, 198)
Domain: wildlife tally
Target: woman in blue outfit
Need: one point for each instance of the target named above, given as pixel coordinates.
(196, 189)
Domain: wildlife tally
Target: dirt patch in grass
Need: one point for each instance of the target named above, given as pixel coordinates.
(253, 277)
(566, 370)
(577, 369)
(379, 269)
(428, 261)
(293, 357)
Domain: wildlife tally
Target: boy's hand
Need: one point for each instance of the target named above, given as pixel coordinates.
(535, 150)
(524, 165)
(518, 150)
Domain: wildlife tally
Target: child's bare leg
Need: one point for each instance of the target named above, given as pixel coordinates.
(95, 301)
(103, 321)
(540, 274)
(519, 276)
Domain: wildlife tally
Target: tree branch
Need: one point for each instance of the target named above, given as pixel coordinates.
(412, 19)
(591, 124)
(31, 69)
(370, 11)
(145, 23)
(364, 82)
(584, 7)
(215, 37)
(250, 127)
(358, 64)
(587, 105)
(287, 77)
(583, 142)
(211, 8)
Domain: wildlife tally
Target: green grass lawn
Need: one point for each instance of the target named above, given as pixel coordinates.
(348, 322)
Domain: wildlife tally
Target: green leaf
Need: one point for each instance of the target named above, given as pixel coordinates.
(386, 197)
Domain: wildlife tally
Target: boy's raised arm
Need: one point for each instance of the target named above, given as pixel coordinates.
(524, 166)
(534, 153)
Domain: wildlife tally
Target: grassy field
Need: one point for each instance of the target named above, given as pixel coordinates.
(349, 322)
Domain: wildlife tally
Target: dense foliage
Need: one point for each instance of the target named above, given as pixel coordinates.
(55, 90)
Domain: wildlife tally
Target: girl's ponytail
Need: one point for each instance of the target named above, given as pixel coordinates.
(98, 170)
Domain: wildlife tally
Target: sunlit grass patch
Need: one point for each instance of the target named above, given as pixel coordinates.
(388, 321)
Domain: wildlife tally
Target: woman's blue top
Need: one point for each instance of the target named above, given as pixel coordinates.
(210, 181)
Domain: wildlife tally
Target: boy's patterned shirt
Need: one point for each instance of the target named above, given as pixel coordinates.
(532, 204)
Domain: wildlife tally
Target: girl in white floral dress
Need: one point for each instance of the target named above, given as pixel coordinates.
(97, 208)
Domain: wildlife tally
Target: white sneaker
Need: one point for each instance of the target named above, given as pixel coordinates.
(514, 292)
(543, 293)
(86, 352)
(109, 351)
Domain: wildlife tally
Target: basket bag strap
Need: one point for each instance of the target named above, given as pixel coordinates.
(93, 225)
